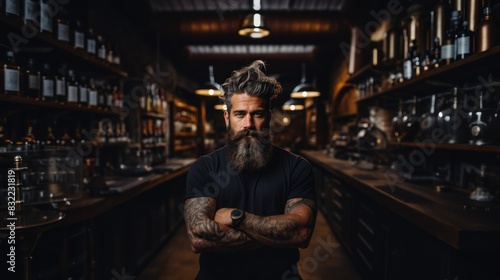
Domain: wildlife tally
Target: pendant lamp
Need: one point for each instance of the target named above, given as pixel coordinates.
(293, 105)
(253, 25)
(210, 88)
(222, 107)
(304, 90)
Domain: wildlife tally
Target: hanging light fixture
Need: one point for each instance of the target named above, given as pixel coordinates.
(304, 90)
(211, 88)
(222, 107)
(292, 105)
(253, 25)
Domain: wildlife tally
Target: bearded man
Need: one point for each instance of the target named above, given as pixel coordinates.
(250, 205)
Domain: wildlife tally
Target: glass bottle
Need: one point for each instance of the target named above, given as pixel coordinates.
(27, 142)
(116, 55)
(47, 83)
(416, 63)
(109, 52)
(33, 76)
(407, 64)
(110, 133)
(49, 141)
(83, 97)
(11, 8)
(101, 97)
(480, 123)
(60, 86)
(46, 17)
(464, 42)
(486, 32)
(101, 48)
(5, 142)
(92, 92)
(72, 88)
(453, 121)
(62, 25)
(91, 42)
(448, 44)
(428, 121)
(10, 75)
(101, 133)
(31, 10)
(436, 53)
(78, 36)
(109, 97)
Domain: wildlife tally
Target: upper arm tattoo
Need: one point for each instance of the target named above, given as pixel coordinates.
(293, 203)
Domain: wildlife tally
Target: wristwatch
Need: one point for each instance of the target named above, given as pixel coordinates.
(237, 216)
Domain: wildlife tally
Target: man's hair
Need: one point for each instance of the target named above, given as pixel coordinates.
(252, 81)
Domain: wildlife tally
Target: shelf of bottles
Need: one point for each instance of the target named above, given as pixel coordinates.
(185, 131)
(43, 26)
(61, 99)
(435, 71)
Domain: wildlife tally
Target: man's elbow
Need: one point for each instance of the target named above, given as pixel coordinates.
(197, 245)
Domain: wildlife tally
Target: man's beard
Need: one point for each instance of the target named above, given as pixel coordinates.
(251, 153)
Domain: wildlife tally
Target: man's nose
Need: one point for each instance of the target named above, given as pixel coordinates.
(248, 122)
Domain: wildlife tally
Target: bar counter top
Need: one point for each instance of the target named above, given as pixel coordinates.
(449, 215)
(88, 207)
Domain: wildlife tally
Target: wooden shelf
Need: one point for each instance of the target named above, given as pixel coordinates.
(184, 147)
(185, 134)
(49, 44)
(154, 115)
(454, 147)
(155, 145)
(365, 72)
(20, 100)
(446, 76)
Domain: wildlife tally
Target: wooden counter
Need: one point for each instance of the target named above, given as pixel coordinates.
(441, 214)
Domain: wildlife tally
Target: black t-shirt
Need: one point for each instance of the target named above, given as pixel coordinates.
(262, 193)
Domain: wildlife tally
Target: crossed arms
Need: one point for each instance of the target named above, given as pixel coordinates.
(210, 229)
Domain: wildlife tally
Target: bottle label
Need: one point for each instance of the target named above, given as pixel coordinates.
(34, 82)
(48, 87)
(72, 94)
(463, 45)
(45, 18)
(11, 78)
(447, 52)
(91, 46)
(60, 87)
(101, 100)
(407, 69)
(29, 10)
(109, 100)
(79, 40)
(12, 7)
(101, 53)
(93, 97)
(83, 95)
(62, 32)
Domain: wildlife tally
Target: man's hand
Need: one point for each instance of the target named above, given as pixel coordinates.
(223, 216)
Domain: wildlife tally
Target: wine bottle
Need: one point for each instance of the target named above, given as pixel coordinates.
(464, 42)
(31, 9)
(79, 36)
(91, 42)
(83, 97)
(47, 83)
(10, 75)
(486, 32)
(11, 8)
(62, 25)
(60, 86)
(72, 88)
(33, 76)
(448, 45)
(46, 17)
(93, 96)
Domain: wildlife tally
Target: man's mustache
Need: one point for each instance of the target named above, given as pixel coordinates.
(244, 133)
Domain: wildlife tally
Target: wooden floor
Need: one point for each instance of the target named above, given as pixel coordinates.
(324, 259)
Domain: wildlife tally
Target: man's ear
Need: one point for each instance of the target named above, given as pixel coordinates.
(226, 117)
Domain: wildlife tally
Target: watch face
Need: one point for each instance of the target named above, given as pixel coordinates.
(236, 214)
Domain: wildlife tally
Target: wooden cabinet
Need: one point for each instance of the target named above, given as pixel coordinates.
(184, 130)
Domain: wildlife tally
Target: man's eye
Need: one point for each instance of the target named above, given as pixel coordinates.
(259, 114)
(239, 115)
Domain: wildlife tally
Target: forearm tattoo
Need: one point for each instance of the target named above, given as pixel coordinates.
(207, 234)
(292, 203)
